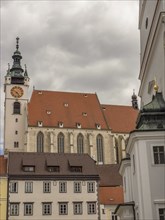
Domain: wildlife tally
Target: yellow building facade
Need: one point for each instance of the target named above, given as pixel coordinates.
(3, 188)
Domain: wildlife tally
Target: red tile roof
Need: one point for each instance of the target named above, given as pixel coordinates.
(52, 107)
(3, 165)
(111, 195)
(121, 119)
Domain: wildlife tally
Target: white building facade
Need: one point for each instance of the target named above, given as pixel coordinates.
(144, 171)
(152, 47)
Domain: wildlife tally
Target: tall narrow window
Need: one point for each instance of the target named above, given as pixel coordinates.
(16, 108)
(159, 154)
(60, 143)
(40, 142)
(80, 144)
(99, 144)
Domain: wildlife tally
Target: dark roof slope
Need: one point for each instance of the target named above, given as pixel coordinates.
(41, 161)
(109, 175)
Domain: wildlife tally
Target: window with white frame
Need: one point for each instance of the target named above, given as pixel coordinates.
(77, 187)
(159, 154)
(63, 208)
(28, 187)
(14, 209)
(162, 214)
(46, 208)
(62, 187)
(77, 208)
(46, 187)
(14, 187)
(16, 108)
(91, 187)
(28, 208)
(91, 206)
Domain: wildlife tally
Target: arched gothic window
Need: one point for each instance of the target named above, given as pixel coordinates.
(60, 143)
(80, 144)
(40, 142)
(99, 145)
(16, 108)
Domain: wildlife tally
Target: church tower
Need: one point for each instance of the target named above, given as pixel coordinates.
(152, 48)
(16, 100)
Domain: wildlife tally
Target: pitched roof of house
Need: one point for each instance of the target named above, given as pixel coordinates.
(109, 175)
(121, 119)
(3, 165)
(42, 161)
(111, 195)
(52, 107)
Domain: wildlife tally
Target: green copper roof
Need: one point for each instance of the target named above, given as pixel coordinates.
(156, 105)
(152, 115)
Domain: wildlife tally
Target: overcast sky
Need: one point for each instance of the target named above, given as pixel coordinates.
(81, 46)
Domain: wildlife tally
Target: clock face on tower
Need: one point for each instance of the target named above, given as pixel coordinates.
(16, 92)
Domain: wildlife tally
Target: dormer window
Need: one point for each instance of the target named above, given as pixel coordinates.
(76, 169)
(40, 124)
(60, 124)
(84, 114)
(53, 168)
(66, 104)
(39, 93)
(98, 126)
(78, 125)
(28, 168)
(48, 112)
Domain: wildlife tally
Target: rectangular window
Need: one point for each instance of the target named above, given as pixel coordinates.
(53, 168)
(29, 168)
(62, 187)
(76, 169)
(14, 209)
(63, 208)
(14, 187)
(91, 207)
(162, 214)
(28, 187)
(91, 187)
(114, 216)
(77, 187)
(28, 208)
(16, 144)
(46, 208)
(77, 208)
(47, 187)
(159, 154)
